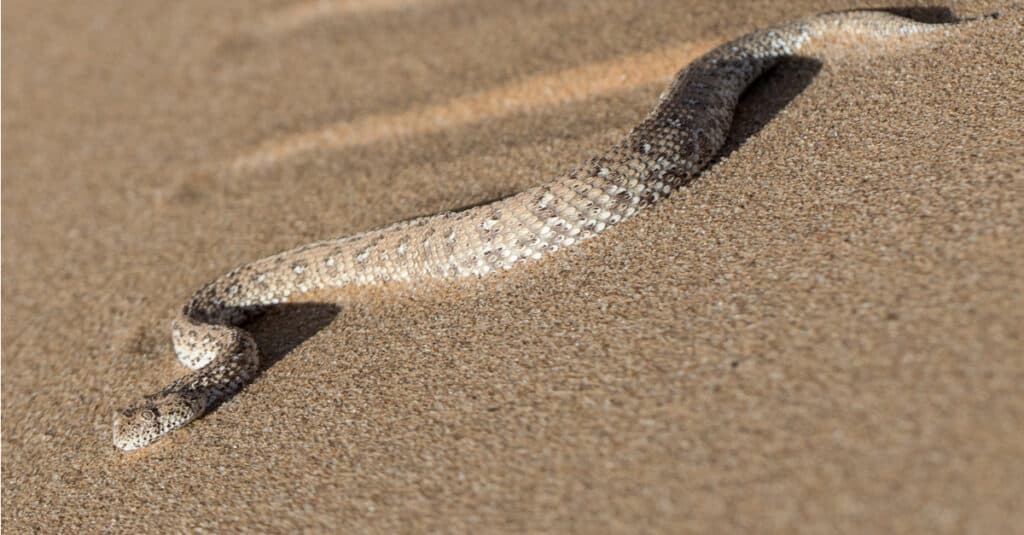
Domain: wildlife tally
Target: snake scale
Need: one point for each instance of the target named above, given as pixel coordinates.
(673, 144)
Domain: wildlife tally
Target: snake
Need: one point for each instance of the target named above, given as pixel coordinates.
(672, 145)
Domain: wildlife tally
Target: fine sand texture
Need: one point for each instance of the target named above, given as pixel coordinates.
(821, 334)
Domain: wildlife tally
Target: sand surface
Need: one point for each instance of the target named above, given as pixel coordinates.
(822, 334)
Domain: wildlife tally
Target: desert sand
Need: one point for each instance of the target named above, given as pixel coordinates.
(821, 334)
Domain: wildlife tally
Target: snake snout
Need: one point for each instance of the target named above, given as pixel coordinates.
(135, 427)
(142, 424)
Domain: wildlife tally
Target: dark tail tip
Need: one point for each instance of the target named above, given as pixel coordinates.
(993, 15)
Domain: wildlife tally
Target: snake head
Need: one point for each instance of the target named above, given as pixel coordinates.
(144, 423)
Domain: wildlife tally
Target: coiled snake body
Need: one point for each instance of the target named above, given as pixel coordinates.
(673, 144)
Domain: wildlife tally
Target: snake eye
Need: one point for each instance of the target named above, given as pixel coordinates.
(148, 415)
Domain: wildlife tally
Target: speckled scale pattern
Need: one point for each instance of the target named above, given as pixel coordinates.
(671, 145)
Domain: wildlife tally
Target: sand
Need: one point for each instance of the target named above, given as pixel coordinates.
(822, 334)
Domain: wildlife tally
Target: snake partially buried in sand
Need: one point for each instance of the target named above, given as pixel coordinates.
(676, 141)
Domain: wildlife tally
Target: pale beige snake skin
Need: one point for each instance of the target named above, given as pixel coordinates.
(673, 144)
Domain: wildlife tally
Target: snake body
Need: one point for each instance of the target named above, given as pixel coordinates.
(674, 143)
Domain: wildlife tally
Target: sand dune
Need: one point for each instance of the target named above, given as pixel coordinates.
(822, 333)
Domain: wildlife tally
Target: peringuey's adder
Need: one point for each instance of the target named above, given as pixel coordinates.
(673, 144)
